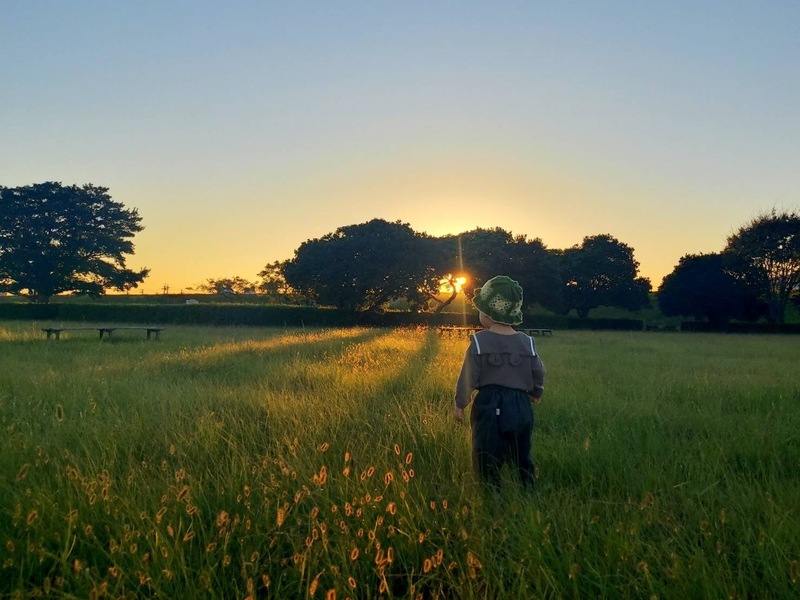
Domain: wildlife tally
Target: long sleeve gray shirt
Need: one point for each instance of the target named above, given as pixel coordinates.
(497, 359)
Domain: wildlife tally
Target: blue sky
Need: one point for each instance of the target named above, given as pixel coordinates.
(241, 129)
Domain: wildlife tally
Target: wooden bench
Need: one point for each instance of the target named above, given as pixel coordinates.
(468, 330)
(103, 331)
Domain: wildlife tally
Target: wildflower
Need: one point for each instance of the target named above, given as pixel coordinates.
(265, 579)
(170, 531)
(190, 510)
(397, 449)
(314, 513)
(354, 554)
(281, 516)
(312, 589)
(346, 471)
(172, 449)
(391, 508)
(23, 472)
(409, 458)
(351, 582)
(113, 571)
(226, 560)
(388, 478)
(444, 504)
(211, 547)
(370, 471)
(160, 514)
(331, 595)
(189, 536)
(88, 530)
(323, 447)
(32, 516)
(433, 504)
(427, 565)
(59, 412)
(183, 493)
(347, 456)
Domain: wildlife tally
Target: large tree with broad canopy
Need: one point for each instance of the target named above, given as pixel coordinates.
(602, 272)
(765, 255)
(362, 267)
(56, 239)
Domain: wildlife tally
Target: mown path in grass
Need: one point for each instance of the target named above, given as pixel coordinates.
(293, 463)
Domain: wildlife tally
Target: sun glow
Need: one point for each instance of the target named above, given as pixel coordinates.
(449, 282)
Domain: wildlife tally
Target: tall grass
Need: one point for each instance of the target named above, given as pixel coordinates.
(239, 463)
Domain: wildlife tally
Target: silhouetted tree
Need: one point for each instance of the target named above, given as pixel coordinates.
(602, 272)
(362, 267)
(56, 239)
(480, 254)
(702, 287)
(765, 255)
(273, 282)
(227, 285)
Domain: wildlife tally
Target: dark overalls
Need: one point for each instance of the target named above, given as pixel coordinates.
(502, 426)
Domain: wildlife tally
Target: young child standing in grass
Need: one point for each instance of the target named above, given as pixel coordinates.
(502, 364)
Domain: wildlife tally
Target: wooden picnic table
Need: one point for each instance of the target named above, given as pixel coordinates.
(442, 329)
(103, 331)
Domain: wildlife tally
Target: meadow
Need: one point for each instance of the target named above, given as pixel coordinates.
(290, 463)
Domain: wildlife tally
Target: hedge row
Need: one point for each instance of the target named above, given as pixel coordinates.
(741, 327)
(275, 315)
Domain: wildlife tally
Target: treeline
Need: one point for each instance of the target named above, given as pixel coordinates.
(59, 240)
(364, 267)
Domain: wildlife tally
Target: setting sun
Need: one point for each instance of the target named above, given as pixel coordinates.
(447, 284)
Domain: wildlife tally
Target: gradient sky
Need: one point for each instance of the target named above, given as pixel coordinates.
(241, 129)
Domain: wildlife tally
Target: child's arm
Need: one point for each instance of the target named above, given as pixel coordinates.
(467, 380)
(538, 371)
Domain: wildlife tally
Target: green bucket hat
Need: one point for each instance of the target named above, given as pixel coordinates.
(500, 299)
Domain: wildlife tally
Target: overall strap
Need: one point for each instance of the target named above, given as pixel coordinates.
(477, 343)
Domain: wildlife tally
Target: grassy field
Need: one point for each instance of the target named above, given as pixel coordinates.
(236, 463)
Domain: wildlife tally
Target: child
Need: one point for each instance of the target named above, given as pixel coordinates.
(502, 364)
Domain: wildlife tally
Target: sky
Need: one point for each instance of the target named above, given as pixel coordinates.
(241, 129)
